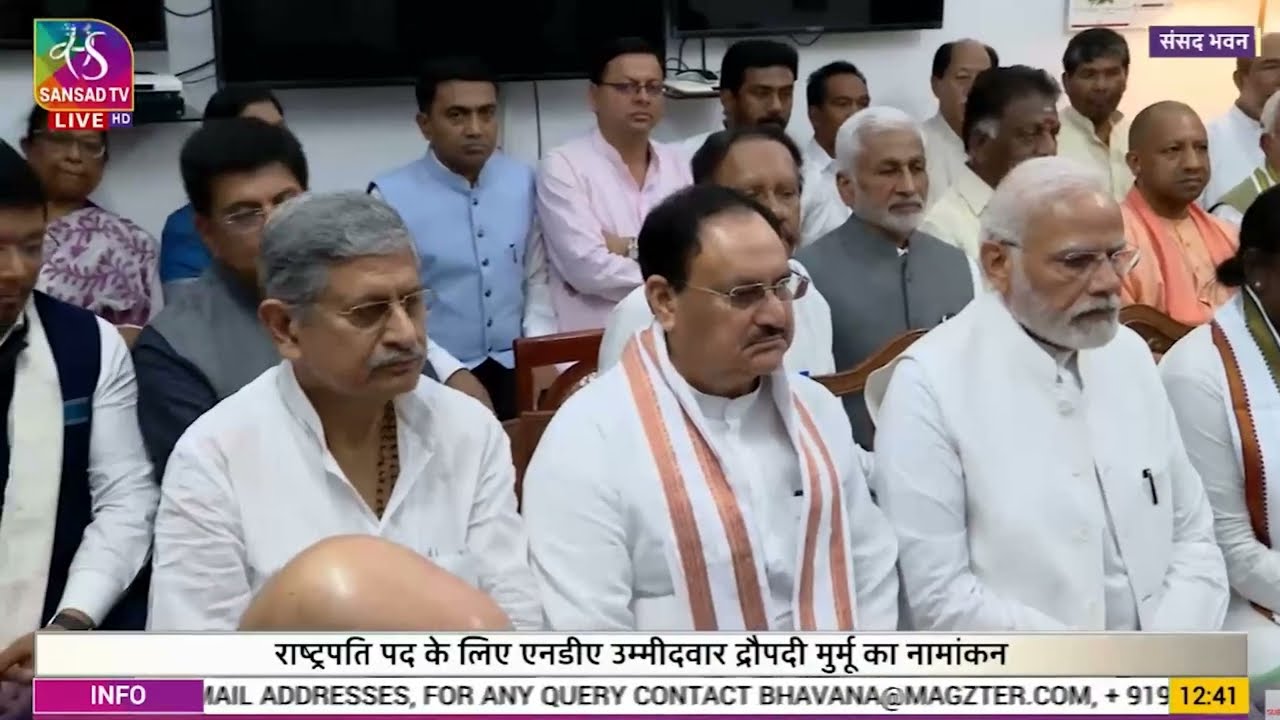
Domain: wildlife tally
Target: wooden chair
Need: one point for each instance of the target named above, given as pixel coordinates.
(525, 432)
(853, 381)
(129, 333)
(1159, 330)
(533, 353)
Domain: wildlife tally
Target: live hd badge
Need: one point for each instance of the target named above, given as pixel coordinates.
(83, 74)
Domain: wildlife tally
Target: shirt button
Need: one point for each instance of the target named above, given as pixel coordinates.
(480, 233)
(487, 293)
(489, 323)
(484, 262)
(475, 201)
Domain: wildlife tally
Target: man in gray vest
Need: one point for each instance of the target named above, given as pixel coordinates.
(207, 343)
(881, 276)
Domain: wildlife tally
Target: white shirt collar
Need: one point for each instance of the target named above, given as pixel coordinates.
(413, 414)
(731, 409)
(939, 125)
(816, 157)
(1244, 122)
(17, 325)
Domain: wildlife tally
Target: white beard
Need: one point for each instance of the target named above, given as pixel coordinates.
(1069, 329)
(898, 224)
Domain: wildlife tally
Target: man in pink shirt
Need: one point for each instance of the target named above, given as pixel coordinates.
(594, 192)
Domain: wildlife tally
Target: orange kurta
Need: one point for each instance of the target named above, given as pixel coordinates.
(1177, 269)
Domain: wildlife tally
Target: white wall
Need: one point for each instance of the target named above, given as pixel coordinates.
(350, 135)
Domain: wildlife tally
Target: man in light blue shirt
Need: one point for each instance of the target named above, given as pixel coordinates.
(471, 212)
(183, 255)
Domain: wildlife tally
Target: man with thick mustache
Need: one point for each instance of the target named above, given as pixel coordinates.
(1027, 454)
(342, 437)
(881, 275)
(1181, 245)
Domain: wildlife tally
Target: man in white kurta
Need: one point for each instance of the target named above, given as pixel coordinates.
(696, 485)
(1234, 151)
(760, 161)
(956, 65)
(1221, 382)
(344, 437)
(1011, 116)
(1026, 452)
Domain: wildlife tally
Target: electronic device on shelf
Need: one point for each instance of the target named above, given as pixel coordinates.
(157, 98)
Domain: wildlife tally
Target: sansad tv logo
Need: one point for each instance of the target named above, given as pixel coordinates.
(83, 74)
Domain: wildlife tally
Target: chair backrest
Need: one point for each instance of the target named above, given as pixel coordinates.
(525, 432)
(129, 333)
(581, 347)
(849, 382)
(1159, 330)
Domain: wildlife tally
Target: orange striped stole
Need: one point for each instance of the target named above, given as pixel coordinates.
(707, 519)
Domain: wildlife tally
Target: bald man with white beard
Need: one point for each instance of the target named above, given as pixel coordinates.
(1027, 454)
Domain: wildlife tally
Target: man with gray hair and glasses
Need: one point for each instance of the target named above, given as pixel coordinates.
(884, 275)
(1027, 454)
(343, 437)
(208, 343)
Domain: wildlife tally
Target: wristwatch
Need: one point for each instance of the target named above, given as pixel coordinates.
(67, 621)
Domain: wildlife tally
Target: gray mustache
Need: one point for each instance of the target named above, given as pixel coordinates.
(396, 357)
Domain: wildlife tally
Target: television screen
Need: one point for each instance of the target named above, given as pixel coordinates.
(328, 43)
(142, 21)
(727, 18)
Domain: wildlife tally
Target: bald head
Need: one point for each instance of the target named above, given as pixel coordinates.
(955, 66)
(1169, 156)
(364, 583)
(1153, 121)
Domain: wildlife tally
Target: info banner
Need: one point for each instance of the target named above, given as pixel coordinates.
(85, 675)
(666, 696)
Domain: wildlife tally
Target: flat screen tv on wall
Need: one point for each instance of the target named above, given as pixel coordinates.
(336, 43)
(142, 21)
(729, 18)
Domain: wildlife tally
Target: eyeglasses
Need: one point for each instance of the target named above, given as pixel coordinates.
(93, 148)
(376, 314)
(246, 221)
(1084, 263)
(745, 297)
(633, 88)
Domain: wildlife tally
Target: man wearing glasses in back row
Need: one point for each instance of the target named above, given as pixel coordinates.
(208, 341)
(343, 437)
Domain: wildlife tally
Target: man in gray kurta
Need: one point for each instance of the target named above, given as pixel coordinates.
(881, 276)
(207, 342)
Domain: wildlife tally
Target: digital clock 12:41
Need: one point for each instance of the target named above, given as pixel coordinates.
(1194, 696)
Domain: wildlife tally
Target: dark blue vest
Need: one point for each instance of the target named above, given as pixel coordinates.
(77, 352)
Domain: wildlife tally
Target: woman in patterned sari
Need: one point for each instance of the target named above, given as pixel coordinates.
(1223, 379)
(93, 258)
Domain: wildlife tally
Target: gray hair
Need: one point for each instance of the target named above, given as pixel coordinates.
(1270, 113)
(852, 138)
(309, 234)
(1030, 186)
